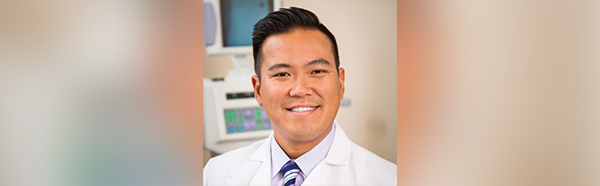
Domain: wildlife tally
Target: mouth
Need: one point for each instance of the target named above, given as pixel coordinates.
(302, 108)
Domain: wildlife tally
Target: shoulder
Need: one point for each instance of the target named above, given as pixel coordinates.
(359, 155)
(226, 158)
(375, 168)
(218, 166)
(365, 166)
(370, 157)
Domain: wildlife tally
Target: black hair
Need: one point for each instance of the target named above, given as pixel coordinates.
(283, 21)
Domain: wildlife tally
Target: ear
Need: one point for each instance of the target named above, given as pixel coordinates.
(341, 79)
(256, 85)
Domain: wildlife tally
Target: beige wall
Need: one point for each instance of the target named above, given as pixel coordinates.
(513, 94)
(366, 35)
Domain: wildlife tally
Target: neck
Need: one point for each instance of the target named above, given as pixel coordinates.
(294, 149)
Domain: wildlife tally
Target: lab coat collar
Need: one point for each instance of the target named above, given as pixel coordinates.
(262, 154)
(339, 153)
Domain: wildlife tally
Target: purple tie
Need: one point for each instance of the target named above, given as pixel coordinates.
(290, 170)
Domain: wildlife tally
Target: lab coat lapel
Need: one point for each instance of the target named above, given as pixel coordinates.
(339, 153)
(263, 154)
(332, 170)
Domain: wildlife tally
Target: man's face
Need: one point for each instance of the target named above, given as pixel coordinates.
(300, 88)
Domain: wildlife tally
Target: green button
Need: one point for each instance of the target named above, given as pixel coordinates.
(233, 120)
(240, 119)
(229, 113)
(259, 126)
(226, 120)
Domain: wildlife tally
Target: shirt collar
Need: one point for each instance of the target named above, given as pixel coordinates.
(308, 161)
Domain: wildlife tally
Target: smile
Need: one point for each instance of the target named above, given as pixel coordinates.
(301, 109)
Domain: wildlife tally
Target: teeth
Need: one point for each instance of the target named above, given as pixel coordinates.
(300, 109)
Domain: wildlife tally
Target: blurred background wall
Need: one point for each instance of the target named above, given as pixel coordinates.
(366, 36)
(100, 93)
(512, 94)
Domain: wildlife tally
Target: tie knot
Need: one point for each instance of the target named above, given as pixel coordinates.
(290, 171)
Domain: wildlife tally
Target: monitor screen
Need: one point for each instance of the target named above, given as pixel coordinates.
(238, 17)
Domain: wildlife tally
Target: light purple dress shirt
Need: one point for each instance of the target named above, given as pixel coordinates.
(307, 162)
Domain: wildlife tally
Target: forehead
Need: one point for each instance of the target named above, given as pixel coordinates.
(297, 46)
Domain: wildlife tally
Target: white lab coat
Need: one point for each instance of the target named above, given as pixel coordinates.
(345, 164)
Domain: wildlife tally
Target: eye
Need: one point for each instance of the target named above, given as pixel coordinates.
(282, 74)
(318, 71)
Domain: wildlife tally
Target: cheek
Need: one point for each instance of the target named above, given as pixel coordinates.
(279, 88)
(329, 88)
(272, 95)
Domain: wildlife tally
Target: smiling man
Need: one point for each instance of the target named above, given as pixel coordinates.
(300, 84)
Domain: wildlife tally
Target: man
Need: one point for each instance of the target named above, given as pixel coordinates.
(299, 83)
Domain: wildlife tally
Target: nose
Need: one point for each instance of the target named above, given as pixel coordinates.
(302, 87)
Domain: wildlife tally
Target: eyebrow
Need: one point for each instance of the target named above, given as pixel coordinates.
(313, 62)
(318, 62)
(280, 65)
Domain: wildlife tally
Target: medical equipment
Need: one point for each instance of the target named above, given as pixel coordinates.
(232, 117)
(228, 24)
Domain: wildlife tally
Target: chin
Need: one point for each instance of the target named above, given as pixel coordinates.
(307, 136)
(304, 138)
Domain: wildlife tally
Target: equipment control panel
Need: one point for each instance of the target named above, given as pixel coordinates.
(246, 119)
